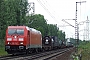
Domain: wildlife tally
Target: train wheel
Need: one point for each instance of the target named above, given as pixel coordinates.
(36, 50)
(43, 50)
(27, 51)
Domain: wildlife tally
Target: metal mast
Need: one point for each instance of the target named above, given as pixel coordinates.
(87, 30)
(77, 27)
(31, 8)
(84, 34)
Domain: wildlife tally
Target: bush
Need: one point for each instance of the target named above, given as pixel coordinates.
(2, 47)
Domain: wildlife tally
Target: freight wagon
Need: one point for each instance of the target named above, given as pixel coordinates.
(50, 42)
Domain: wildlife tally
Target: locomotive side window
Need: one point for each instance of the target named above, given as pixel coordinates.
(16, 31)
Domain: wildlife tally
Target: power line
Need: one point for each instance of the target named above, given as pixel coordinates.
(51, 10)
(47, 10)
(46, 4)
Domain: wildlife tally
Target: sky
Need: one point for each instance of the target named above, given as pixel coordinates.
(55, 11)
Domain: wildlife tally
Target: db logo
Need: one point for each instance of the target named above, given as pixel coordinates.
(13, 43)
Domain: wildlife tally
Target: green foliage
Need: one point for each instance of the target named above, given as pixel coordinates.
(2, 21)
(12, 12)
(38, 22)
(2, 49)
(84, 47)
(73, 40)
(61, 35)
(15, 11)
(52, 29)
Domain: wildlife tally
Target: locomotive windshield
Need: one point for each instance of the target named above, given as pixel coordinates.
(16, 31)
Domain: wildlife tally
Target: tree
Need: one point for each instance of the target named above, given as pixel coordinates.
(61, 35)
(12, 12)
(16, 11)
(73, 41)
(52, 30)
(2, 21)
(38, 22)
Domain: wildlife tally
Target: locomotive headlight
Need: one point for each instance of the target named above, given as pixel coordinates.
(52, 40)
(9, 39)
(8, 42)
(46, 40)
(21, 39)
(21, 42)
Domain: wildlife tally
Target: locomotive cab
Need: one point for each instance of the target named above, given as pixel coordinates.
(15, 39)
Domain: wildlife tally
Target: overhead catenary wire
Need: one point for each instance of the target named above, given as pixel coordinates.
(47, 5)
(44, 5)
(47, 10)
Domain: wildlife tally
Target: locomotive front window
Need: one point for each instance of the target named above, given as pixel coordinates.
(11, 31)
(16, 31)
(20, 31)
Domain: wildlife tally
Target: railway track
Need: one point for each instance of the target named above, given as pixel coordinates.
(9, 57)
(39, 56)
(59, 52)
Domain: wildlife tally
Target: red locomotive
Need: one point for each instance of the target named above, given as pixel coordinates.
(22, 39)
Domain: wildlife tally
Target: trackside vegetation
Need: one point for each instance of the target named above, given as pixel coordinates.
(2, 49)
(84, 50)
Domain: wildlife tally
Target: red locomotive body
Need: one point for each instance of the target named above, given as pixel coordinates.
(22, 39)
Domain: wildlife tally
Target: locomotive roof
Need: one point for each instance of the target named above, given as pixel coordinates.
(16, 27)
(32, 29)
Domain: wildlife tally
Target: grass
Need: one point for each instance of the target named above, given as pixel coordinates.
(2, 48)
(2, 51)
(84, 50)
(75, 57)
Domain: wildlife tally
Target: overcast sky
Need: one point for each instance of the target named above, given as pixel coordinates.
(56, 10)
